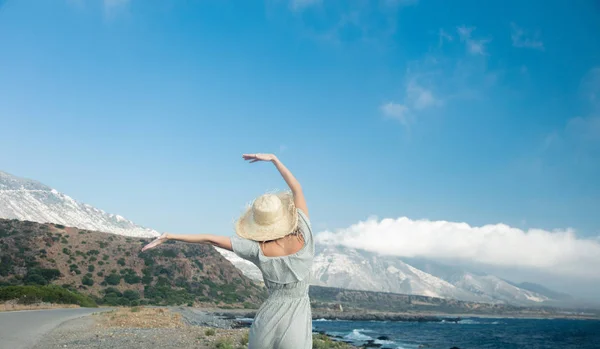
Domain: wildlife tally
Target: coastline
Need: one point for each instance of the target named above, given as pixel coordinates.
(154, 327)
(406, 317)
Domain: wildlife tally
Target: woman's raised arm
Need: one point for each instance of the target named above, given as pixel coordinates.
(215, 240)
(289, 178)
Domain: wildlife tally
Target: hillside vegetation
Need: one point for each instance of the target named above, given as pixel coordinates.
(112, 270)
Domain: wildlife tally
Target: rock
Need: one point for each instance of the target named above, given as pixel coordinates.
(383, 338)
(371, 344)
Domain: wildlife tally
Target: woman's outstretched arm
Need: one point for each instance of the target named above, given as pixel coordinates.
(215, 240)
(287, 175)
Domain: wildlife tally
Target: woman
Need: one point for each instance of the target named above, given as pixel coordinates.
(275, 234)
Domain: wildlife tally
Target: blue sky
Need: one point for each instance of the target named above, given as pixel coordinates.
(437, 110)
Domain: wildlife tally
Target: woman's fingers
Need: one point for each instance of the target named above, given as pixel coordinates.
(152, 244)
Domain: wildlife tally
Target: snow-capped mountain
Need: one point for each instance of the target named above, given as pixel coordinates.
(489, 288)
(26, 199)
(360, 270)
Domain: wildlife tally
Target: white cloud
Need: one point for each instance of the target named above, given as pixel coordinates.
(557, 252)
(419, 97)
(464, 32)
(474, 46)
(520, 38)
(477, 47)
(444, 36)
(396, 111)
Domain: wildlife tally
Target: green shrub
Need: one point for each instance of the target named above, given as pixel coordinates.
(169, 253)
(49, 294)
(35, 279)
(244, 339)
(105, 257)
(113, 279)
(91, 268)
(224, 343)
(132, 278)
(131, 295)
(321, 341)
(209, 332)
(88, 281)
(121, 262)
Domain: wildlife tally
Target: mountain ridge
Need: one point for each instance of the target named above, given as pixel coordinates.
(27, 199)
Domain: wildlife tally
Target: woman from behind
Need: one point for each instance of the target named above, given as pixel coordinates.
(275, 234)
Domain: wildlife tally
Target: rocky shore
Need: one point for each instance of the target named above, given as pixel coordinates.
(349, 316)
(157, 328)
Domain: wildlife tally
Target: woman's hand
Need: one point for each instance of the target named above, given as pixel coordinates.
(259, 157)
(159, 240)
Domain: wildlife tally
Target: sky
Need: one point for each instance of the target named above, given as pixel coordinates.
(475, 124)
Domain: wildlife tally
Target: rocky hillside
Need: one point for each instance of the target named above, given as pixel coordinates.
(112, 269)
(29, 200)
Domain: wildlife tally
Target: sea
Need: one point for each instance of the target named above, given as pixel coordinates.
(467, 333)
(488, 333)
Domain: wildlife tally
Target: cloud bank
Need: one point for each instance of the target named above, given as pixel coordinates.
(557, 252)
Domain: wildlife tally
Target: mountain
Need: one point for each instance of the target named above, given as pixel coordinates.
(112, 270)
(539, 289)
(353, 269)
(29, 200)
(488, 288)
(360, 270)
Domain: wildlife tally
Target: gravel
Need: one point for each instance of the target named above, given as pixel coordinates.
(85, 333)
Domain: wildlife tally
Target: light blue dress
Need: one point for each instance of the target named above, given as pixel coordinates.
(284, 320)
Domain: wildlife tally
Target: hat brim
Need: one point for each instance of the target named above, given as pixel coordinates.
(247, 228)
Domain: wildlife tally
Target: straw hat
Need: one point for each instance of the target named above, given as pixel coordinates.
(270, 217)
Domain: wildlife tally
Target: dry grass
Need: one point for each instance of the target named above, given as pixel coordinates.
(14, 306)
(140, 317)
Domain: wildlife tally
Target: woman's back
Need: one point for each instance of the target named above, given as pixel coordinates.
(285, 267)
(284, 321)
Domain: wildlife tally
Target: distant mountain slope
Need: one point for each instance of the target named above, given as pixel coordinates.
(558, 296)
(29, 200)
(363, 271)
(112, 268)
(360, 270)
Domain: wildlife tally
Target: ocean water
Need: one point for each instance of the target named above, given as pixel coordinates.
(480, 333)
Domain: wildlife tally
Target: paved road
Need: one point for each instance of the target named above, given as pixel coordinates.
(22, 329)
